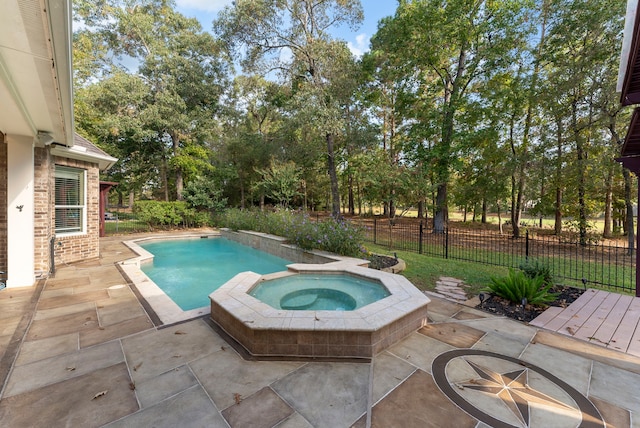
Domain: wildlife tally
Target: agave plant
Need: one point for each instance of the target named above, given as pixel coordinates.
(517, 286)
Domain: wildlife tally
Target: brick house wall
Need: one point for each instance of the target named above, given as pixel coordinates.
(69, 249)
(42, 207)
(72, 248)
(3, 203)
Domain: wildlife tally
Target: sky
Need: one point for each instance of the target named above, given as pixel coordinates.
(358, 41)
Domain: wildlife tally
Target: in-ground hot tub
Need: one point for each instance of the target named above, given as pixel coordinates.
(332, 292)
(297, 331)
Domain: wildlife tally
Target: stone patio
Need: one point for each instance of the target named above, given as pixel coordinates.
(82, 351)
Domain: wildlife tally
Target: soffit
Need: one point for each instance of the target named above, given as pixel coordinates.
(35, 68)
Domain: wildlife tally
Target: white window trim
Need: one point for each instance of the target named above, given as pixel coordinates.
(84, 205)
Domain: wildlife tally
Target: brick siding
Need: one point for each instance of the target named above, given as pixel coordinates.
(67, 249)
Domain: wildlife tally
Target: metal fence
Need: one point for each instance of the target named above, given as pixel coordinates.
(602, 264)
(120, 220)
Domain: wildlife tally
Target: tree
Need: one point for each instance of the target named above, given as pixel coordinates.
(265, 30)
(582, 61)
(181, 66)
(451, 46)
(281, 182)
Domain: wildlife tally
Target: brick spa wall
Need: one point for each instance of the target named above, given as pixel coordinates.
(74, 248)
(3, 203)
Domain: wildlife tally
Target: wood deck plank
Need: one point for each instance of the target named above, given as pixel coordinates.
(621, 339)
(591, 325)
(558, 323)
(546, 316)
(606, 331)
(634, 345)
(578, 319)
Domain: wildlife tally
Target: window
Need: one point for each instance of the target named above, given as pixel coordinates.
(70, 200)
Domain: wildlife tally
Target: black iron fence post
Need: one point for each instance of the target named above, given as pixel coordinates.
(421, 235)
(375, 230)
(446, 243)
(526, 246)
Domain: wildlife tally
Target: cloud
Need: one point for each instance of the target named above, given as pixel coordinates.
(360, 46)
(203, 5)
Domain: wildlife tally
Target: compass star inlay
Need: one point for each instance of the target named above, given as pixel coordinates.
(512, 388)
(492, 379)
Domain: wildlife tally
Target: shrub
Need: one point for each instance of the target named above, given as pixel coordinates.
(517, 286)
(571, 234)
(340, 237)
(204, 195)
(161, 213)
(335, 236)
(536, 268)
(236, 219)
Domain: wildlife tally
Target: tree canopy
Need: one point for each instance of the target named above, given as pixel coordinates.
(478, 106)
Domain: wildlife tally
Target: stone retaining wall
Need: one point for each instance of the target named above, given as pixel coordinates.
(276, 246)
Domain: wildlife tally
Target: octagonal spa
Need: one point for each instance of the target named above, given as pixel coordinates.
(290, 327)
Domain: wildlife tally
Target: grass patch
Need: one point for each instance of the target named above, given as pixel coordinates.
(114, 227)
(423, 271)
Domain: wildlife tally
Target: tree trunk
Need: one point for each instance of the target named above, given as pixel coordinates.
(580, 157)
(163, 176)
(558, 203)
(420, 210)
(631, 239)
(608, 204)
(242, 197)
(499, 217)
(351, 201)
(628, 223)
(558, 212)
(484, 211)
(452, 91)
(442, 211)
(359, 198)
(517, 183)
(333, 177)
(179, 179)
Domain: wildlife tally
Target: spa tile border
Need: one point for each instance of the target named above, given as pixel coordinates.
(265, 331)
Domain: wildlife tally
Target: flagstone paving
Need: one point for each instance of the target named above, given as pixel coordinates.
(82, 351)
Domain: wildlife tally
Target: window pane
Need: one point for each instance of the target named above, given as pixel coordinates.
(68, 220)
(68, 191)
(69, 199)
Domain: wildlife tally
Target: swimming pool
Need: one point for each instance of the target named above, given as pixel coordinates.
(188, 270)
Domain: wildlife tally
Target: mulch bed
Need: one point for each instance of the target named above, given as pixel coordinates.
(499, 306)
(379, 262)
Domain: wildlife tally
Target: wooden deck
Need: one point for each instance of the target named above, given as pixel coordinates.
(599, 317)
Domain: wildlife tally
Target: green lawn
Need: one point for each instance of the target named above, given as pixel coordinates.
(423, 271)
(114, 227)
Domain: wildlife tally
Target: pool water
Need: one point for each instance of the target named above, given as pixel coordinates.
(188, 270)
(305, 292)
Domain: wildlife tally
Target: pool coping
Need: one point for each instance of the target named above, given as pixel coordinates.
(166, 310)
